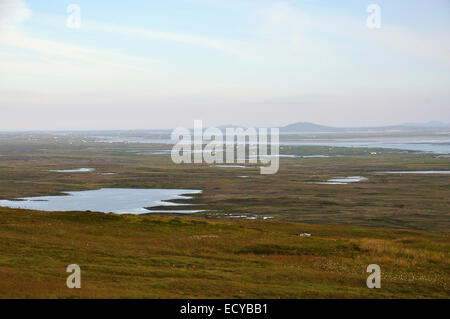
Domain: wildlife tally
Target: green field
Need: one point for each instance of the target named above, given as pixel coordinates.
(400, 222)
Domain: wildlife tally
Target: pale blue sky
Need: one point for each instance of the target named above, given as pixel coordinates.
(159, 64)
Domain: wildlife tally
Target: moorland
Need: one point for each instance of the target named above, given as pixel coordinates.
(250, 239)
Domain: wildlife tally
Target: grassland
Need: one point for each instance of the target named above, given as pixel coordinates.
(400, 222)
(163, 257)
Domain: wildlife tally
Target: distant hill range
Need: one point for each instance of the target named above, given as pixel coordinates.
(303, 127)
(299, 127)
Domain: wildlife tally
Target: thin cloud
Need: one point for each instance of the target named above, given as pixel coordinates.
(16, 39)
(218, 44)
(13, 11)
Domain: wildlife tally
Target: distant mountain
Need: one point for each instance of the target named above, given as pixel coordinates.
(431, 124)
(298, 127)
(304, 127)
(307, 127)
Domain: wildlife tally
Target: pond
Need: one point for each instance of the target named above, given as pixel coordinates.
(115, 200)
(77, 170)
(415, 172)
(342, 180)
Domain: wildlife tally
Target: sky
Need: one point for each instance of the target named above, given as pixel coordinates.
(163, 64)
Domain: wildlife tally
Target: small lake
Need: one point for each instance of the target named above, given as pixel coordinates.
(77, 170)
(231, 165)
(106, 200)
(415, 172)
(342, 180)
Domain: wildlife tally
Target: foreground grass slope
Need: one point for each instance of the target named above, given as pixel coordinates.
(165, 257)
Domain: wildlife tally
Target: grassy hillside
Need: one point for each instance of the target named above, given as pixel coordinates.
(163, 257)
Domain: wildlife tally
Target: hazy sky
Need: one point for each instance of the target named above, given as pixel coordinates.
(160, 64)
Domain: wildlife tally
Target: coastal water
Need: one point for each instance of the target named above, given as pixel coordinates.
(437, 145)
(415, 172)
